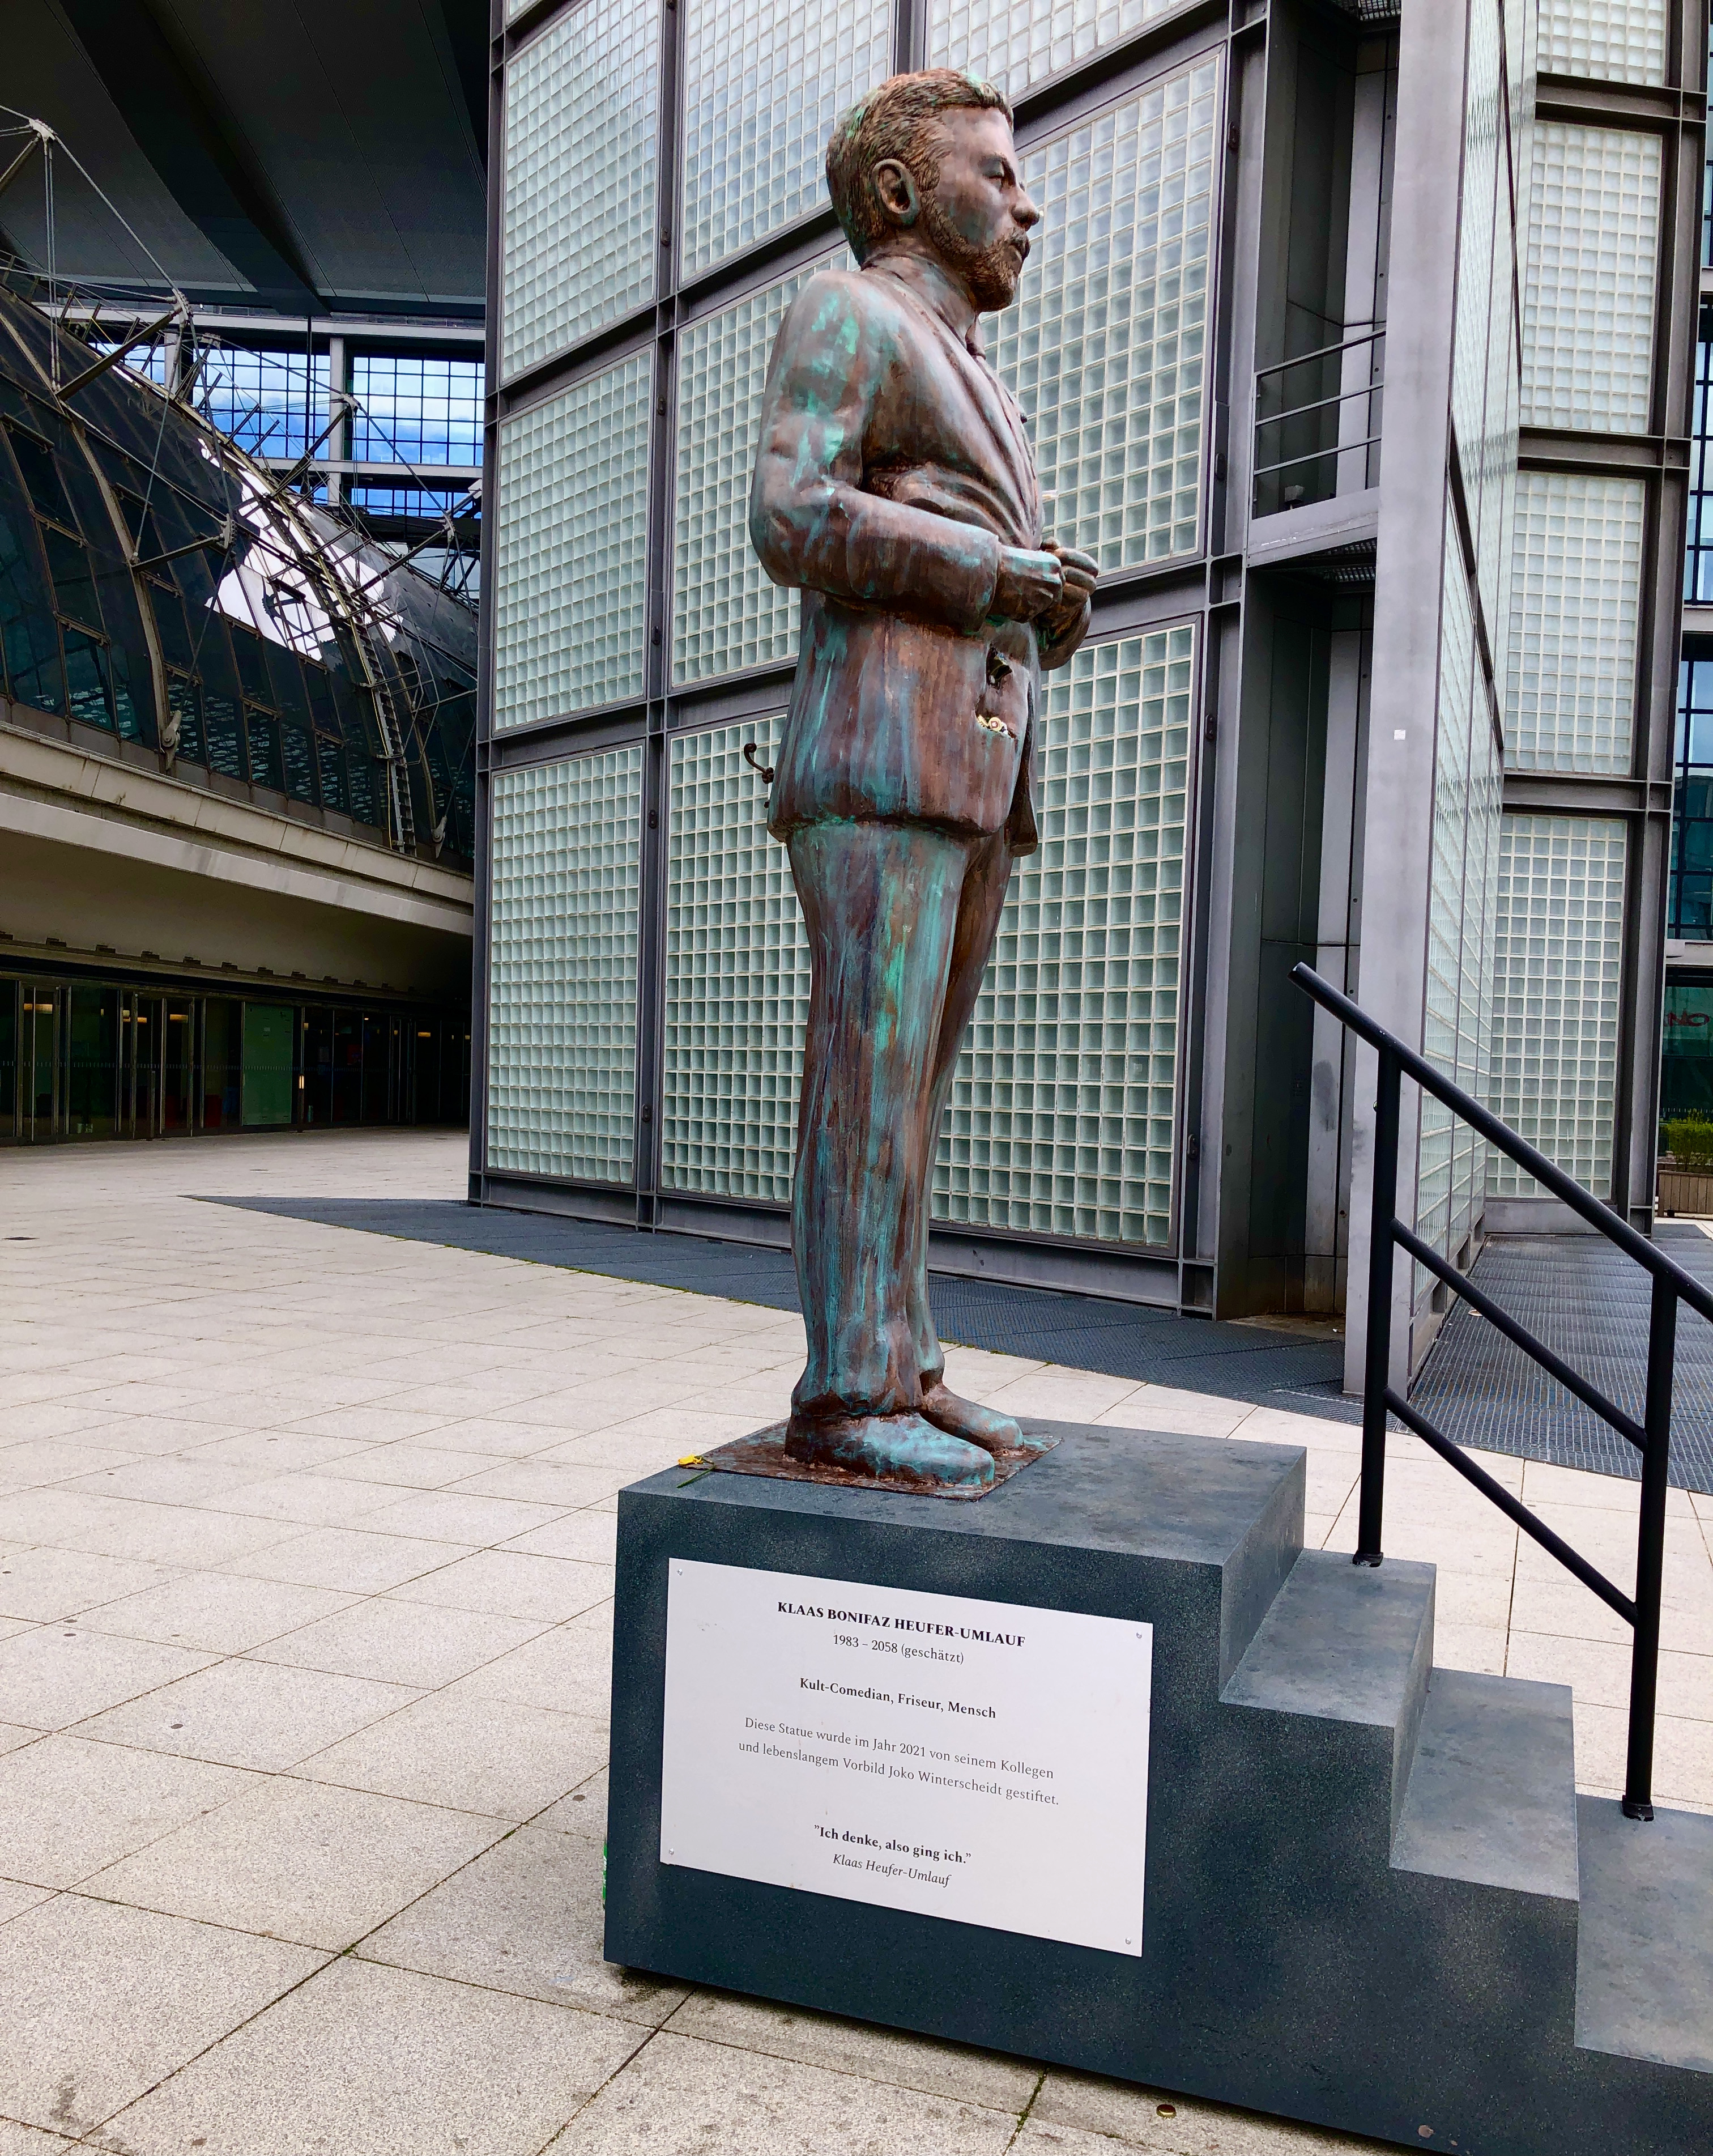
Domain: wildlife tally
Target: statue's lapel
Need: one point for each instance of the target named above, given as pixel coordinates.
(993, 405)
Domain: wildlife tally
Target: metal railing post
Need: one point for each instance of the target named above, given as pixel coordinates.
(1377, 1368)
(1651, 1436)
(1650, 1550)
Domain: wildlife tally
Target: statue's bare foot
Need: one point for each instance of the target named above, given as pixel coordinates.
(903, 1445)
(984, 1426)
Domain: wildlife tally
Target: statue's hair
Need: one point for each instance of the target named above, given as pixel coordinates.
(897, 121)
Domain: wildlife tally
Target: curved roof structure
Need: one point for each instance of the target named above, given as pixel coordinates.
(158, 587)
(329, 155)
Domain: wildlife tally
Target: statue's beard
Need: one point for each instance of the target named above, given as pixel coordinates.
(990, 273)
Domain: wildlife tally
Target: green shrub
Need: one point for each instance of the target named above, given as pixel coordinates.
(1689, 1139)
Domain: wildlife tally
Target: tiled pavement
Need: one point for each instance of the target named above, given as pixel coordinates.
(306, 1542)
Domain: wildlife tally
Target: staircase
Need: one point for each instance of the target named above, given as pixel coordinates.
(1579, 1937)
(1374, 1901)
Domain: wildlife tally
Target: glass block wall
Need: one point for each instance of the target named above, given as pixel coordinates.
(579, 245)
(1476, 624)
(1584, 590)
(1063, 1107)
(571, 554)
(1485, 385)
(1558, 965)
(737, 977)
(1588, 287)
(726, 615)
(1607, 40)
(1019, 42)
(1575, 599)
(1467, 795)
(1106, 349)
(635, 333)
(562, 967)
(763, 85)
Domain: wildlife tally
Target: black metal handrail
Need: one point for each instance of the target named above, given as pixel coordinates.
(1651, 1436)
(1373, 388)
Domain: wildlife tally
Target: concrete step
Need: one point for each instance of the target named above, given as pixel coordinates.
(1361, 1903)
(1492, 1792)
(1644, 1952)
(1347, 1643)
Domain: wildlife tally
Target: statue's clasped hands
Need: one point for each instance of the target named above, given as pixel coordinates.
(1049, 586)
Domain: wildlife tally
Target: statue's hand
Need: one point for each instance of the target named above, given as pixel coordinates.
(1030, 584)
(1080, 573)
(1076, 566)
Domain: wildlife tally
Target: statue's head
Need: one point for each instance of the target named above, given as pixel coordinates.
(926, 163)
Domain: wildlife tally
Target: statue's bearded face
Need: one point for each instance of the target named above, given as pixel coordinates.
(977, 216)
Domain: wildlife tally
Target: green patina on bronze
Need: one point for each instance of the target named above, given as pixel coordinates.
(894, 486)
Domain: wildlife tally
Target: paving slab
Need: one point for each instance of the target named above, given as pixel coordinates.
(98, 2003)
(364, 2061)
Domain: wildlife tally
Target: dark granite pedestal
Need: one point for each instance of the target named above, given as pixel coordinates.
(1371, 1902)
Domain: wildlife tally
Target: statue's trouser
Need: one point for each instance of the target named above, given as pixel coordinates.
(900, 920)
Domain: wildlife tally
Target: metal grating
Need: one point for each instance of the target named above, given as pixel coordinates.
(1589, 1303)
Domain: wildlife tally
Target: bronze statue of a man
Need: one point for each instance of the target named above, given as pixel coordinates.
(894, 485)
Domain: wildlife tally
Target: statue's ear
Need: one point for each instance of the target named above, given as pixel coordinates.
(896, 191)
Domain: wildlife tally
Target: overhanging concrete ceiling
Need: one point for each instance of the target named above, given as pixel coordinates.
(306, 156)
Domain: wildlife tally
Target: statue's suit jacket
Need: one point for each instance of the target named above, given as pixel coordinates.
(892, 468)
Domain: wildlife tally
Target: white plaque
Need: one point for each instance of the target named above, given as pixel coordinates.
(977, 1760)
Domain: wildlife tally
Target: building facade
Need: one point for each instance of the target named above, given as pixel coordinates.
(236, 779)
(1686, 1077)
(1355, 344)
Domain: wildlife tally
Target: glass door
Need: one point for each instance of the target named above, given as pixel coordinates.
(177, 1055)
(346, 1087)
(40, 1091)
(316, 1079)
(93, 1063)
(10, 1103)
(143, 1020)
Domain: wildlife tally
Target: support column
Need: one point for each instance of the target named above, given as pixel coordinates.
(1396, 809)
